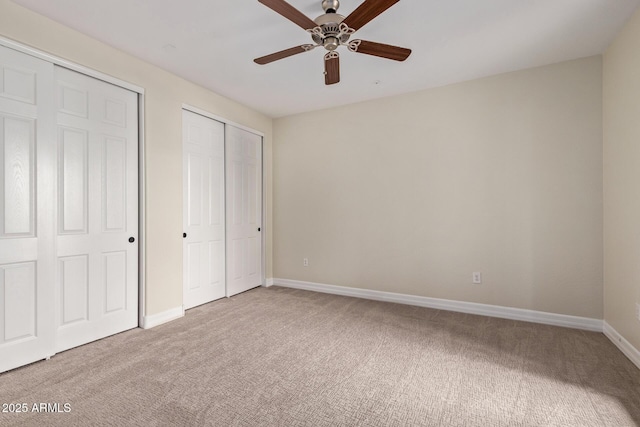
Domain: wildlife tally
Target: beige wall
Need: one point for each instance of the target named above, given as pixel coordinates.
(164, 96)
(413, 193)
(622, 181)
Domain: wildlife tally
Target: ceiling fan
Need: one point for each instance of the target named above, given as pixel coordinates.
(332, 30)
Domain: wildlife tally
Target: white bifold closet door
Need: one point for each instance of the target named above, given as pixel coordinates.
(203, 216)
(244, 209)
(68, 209)
(27, 184)
(97, 215)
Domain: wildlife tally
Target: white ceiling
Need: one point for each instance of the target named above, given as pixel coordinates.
(213, 43)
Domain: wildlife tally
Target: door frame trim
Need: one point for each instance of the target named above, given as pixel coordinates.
(142, 215)
(263, 233)
(221, 119)
(70, 65)
(55, 60)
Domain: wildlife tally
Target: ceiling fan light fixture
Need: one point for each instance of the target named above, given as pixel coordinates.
(330, 43)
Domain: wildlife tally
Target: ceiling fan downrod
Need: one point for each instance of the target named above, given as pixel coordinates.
(330, 6)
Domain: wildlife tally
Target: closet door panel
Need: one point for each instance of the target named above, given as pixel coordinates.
(244, 208)
(19, 282)
(26, 209)
(74, 280)
(97, 209)
(114, 157)
(203, 214)
(73, 152)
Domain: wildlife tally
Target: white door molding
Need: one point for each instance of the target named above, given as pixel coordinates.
(69, 64)
(217, 118)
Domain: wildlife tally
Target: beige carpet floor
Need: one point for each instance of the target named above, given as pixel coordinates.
(284, 357)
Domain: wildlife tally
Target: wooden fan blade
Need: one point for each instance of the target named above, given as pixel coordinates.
(332, 70)
(280, 55)
(290, 12)
(382, 50)
(367, 11)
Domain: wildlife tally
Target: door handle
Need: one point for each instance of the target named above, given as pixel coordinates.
(184, 235)
(131, 239)
(258, 228)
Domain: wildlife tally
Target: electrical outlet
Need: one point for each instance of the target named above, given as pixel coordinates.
(305, 262)
(477, 277)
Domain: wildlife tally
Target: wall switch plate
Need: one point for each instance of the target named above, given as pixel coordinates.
(305, 262)
(477, 277)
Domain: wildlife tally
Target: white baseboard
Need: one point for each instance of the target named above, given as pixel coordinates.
(153, 320)
(564, 320)
(268, 282)
(625, 346)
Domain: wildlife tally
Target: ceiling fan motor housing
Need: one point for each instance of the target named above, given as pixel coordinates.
(330, 25)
